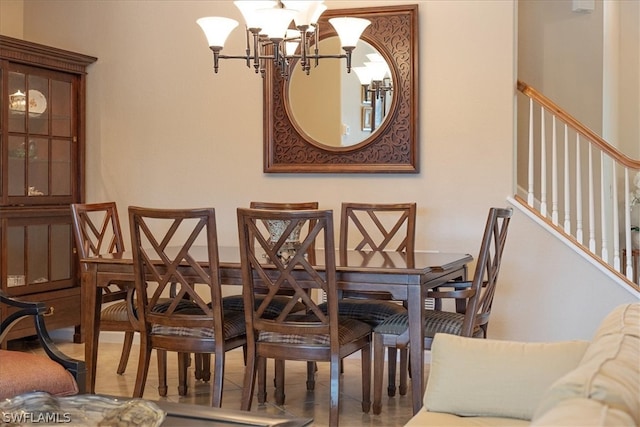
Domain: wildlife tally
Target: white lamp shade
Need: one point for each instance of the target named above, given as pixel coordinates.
(364, 74)
(308, 11)
(248, 9)
(378, 70)
(217, 29)
(275, 22)
(349, 29)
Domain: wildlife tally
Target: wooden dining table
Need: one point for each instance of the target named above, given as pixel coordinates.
(406, 276)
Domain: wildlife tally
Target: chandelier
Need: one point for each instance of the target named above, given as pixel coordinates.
(281, 32)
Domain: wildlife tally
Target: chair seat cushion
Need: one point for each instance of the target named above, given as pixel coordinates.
(22, 372)
(372, 312)
(236, 303)
(234, 324)
(116, 312)
(436, 321)
(348, 330)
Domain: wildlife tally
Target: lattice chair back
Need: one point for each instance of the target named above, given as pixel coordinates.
(478, 309)
(378, 226)
(163, 239)
(272, 266)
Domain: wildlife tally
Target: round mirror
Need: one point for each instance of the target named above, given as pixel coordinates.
(337, 109)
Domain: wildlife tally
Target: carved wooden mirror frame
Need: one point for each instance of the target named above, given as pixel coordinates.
(393, 148)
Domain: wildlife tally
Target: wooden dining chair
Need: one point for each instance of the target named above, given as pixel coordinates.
(474, 300)
(191, 320)
(371, 228)
(310, 335)
(97, 231)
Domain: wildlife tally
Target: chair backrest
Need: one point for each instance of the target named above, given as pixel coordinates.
(162, 239)
(263, 269)
(96, 228)
(378, 226)
(485, 277)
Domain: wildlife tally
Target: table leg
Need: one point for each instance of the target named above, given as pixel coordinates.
(92, 298)
(415, 307)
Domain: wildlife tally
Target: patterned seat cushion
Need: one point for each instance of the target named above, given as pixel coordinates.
(234, 324)
(348, 330)
(236, 303)
(115, 312)
(372, 312)
(435, 321)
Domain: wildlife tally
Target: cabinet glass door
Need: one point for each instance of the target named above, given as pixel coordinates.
(40, 155)
(39, 253)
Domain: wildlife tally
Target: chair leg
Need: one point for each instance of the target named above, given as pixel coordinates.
(312, 368)
(218, 378)
(162, 372)
(183, 360)
(366, 378)
(378, 371)
(202, 366)
(334, 408)
(249, 379)
(404, 371)
(391, 369)
(279, 374)
(262, 380)
(126, 350)
(143, 366)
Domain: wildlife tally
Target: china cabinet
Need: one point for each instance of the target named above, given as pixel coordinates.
(42, 151)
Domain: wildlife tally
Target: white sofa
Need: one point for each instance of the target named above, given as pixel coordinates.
(474, 382)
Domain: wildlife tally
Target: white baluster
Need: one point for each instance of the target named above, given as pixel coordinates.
(530, 198)
(616, 220)
(592, 220)
(567, 184)
(603, 213)
(579, 234)
(554, 172)
(629, 267)
(543, 165)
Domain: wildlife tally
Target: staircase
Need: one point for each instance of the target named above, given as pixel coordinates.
(579, 185)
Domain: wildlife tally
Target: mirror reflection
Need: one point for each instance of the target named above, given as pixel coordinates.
(339, 109)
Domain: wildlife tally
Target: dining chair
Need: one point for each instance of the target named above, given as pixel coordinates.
(374, 228)
(97, 231)
(473, 299)
(191, 319)
(309, 335)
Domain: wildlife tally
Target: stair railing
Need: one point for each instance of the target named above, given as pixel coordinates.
(579, 184)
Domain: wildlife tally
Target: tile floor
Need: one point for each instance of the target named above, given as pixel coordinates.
(299, 402)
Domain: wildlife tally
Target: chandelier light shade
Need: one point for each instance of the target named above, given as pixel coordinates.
(281, 32)
(217, 29)
(349, 30)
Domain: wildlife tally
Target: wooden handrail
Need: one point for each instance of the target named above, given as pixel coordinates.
(579, 127)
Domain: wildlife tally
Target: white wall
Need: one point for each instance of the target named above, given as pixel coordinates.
(163, 130)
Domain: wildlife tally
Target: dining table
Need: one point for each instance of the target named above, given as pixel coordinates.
(407, 277)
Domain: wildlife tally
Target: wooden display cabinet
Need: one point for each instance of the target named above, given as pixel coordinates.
(42, 152)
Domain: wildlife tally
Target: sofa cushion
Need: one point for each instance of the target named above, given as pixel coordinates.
(22, 372)
(609, 371)
(440, 419)
(491, 378)
(581, 412)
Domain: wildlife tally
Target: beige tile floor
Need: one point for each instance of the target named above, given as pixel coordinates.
(396, 410)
